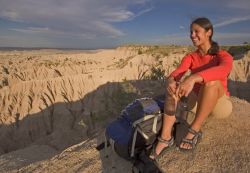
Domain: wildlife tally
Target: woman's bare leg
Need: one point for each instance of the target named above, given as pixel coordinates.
(166, 134)
(168, 122)
(207, 99)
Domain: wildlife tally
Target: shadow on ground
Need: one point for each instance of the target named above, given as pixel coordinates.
(240, 89)
(61, 125)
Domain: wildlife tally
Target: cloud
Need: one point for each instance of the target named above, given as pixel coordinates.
(31, 30)
(232, 21)
(177, 38)
(240, 4)
(232, 35)
(118, 16)
(77, 17)
(52, 33)
(181, 27)
(232, 4)
(221, 38)
(19, 41)
(232, 38)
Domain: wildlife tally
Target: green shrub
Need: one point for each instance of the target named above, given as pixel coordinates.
(156, 73)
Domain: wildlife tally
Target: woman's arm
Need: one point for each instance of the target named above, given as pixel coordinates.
(218, 72)
(182, 68)
(176, 75)
(187, 85)
(221, 71)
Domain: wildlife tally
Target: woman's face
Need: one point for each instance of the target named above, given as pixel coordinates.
(199, 35)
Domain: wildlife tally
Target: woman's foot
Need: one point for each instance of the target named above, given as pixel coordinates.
(191, 140)
(161, 147)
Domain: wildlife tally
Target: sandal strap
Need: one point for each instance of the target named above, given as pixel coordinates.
(193, 141)
(189, 141)
(167, 142)
(195, 133)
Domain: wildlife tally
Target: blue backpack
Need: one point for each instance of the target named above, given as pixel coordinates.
(136, 129)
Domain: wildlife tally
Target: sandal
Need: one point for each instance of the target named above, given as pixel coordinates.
(169, 144)
(192, 142)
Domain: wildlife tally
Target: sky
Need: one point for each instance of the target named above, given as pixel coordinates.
(92, 24)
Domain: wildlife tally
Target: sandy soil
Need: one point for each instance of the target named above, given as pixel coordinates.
(55, 104)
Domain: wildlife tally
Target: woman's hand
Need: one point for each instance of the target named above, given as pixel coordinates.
(172, 86)
(187, 85)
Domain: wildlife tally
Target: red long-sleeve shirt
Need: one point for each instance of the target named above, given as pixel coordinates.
(209, 67)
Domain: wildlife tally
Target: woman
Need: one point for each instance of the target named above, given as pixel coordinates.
(207, 85)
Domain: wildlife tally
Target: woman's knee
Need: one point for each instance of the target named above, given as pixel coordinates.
(215, 83)
(216, 86)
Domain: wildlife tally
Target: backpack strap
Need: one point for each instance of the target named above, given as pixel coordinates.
(145, 164)
(147, 117)
(109, 141)
(138, 129)
(154, 127)
(106, 142)
(133, 142)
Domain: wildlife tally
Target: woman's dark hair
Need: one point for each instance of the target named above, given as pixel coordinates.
(207, 25)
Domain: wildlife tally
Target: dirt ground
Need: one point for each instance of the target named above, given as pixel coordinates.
(223, 148)
(54, 106)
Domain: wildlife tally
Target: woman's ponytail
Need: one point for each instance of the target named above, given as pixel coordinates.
(214, 49)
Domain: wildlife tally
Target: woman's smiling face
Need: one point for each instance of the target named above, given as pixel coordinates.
(199, 35)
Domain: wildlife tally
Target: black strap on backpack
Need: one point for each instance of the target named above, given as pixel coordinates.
(143, 164)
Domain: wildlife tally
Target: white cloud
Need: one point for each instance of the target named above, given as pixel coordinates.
(143, 11)
(232, 35)
(178, 38)
(232, 21)
(221, 38)
(240, 4)
(10, 14)
(118, 16)
(224, 4)
(79, 17)
(31, 30)
(19, 41)
(106, 28)
(181, 27)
